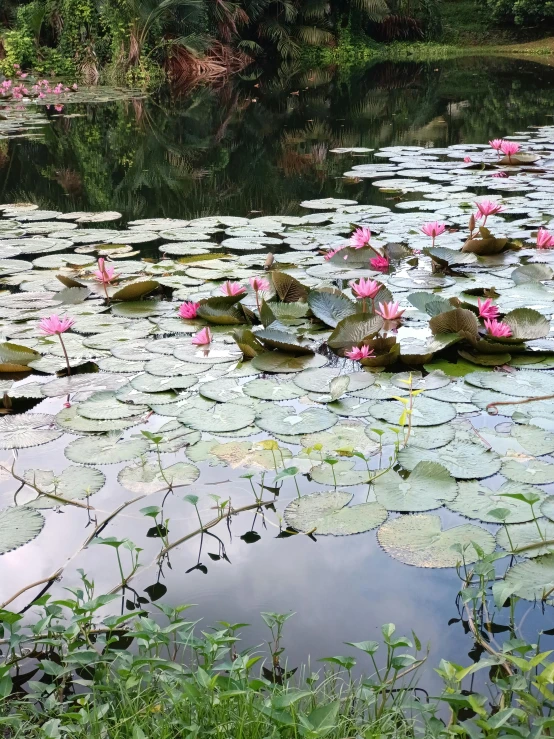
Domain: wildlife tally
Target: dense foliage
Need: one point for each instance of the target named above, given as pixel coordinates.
(140, 39)
(522, 12)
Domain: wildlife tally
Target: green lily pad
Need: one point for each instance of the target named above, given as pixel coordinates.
(284, 419)
(525, 540)
(18, 526)
(425, 411)
(20, 432)
(341, 473)
(74, 483)
(222, 390)
(475, 500)
(272, 390)
(70, 420)
(464, 460)
(532, 579)
(105, 406)
(420, 541)
(224, 417)
(533, 472)
(148, 478)
(327, 514)
(527, 323)
(105, 449)
(428, 486)
(282, 362)
(353, 329)
(330, 307)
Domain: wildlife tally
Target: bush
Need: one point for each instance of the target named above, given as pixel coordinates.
(522, 12)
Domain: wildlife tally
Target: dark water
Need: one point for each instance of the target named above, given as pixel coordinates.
(263, 146)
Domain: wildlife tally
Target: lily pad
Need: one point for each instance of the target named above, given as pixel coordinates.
(326, 514)
(282, 362)
(532, 579)
(464, 460)
(475, 500)
(341, 473)
(74, 483)
(18, 526)
(425, 412)
(525, 540)
(224, 417)
(145, 479)
(23, 431)
(420, 541)
(272, 390)
(284, 419)
(531, 471)
(105, 449)
(428, 486)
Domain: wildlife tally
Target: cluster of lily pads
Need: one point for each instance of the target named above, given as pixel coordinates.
(349, 335)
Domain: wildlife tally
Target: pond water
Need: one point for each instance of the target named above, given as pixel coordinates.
(255, 148)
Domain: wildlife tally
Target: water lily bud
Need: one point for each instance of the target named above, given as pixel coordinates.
(269, 261)
(472, 223)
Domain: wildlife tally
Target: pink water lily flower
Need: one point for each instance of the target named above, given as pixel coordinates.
(357, 353)
(390, 311)
(188, 309)
(104, 274)
(232, 288)
(380, 264)
(360, 237)
(433, 229)
(55, 325)
(202, 337)
(545, 240)
(365, 288)
(500, 174)
(259, 284)
(497, 328)
(467, 160)
(509, 147)
(487, 208)
(496, 144)
(331, 253)
(487, 309)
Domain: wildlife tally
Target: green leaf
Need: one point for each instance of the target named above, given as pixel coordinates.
(353, 329)
(330, 307)
(289, 289)
(18, 526)
(325, 513)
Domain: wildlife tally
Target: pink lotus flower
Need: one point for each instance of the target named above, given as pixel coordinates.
(232, 288)
(509, 147)
(390, 311)
(104, 274)
(331, 253)
(357, 353)
(545, 240)
(467, 160)
(497, 328)
(433, 229)
(55, 325)
(500, 174)
(496, 144)
(188, 310)
(202, 337)
(365, 288)
(360, 237)
(379, 264)
(487, 208)
(259, 284)
(487, 309)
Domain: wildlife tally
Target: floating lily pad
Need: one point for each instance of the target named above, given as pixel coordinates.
(224, 417)
(105, 449)
(18, 526)
(74, 483)
(531, 471)
(425, 412)
(105, 406)
(272, 390)
(148, 478)
(428, 486)
(420, 541)
(326, 514)
(20, 432)
(464, 460)
(341, 473)
(69, 420)
(282, 362)
(345, 437)
(532, 579)
(330, 307)
(525, 540)
(284, 419)
(475, 500)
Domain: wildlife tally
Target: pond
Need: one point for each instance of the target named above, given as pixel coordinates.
(287, 167)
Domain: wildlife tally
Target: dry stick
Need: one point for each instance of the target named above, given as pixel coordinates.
(515, 402)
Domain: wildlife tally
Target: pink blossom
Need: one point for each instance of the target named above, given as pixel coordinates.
(496, 144)
(390, 311)
(16, 66)
(497, 328)
(365, 288)
(232, 288)
(331, 253)
(104, 274)
(357, 353)
(487, 208)
(202, 337)
(379, 264)
(500, 174)
(487, 309)
(510, 147)
(55, 325)
(433, 229)
(59, 108)
(467, 160)
(259, 284)
(360, 237)
(23, 76)
(188, 309)
(545, 240)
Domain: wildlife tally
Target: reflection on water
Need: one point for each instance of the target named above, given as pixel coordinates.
(261, 146)
(265, 145)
